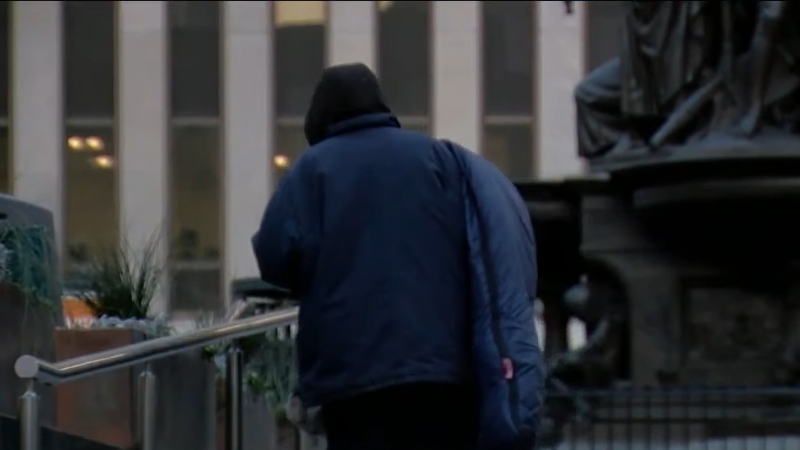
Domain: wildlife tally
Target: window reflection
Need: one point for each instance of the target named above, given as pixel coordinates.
(5, 161)
(195, 58)
(603, 32)
(510, 148)
(195, 180)
(5, 157)
(196, 288)
(404, 55)
(508, 52)
(89, 59)
(5, 26)
(299, 53)
(194, 158)
(195, 216)
(90, 202)
(290, 142)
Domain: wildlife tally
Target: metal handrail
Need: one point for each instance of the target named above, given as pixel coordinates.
(32, 368)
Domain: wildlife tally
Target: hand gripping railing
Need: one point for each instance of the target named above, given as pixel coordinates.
(35, 370)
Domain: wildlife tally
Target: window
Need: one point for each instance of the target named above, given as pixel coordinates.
(299, 53)
(194, 157)
(91, 178)
(195, 227)
(5, 157)
(195, 58)
(90, 198)
(509, 57)
(196, 288)
(299, 61)
(509, 148)
(89, 59)
(604, 24)
(290, 141)
(404, 64)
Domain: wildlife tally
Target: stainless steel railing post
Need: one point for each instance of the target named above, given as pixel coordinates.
(233, 402)
(29, 419)
(146, 414)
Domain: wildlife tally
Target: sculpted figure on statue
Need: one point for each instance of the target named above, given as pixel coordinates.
(693, 71)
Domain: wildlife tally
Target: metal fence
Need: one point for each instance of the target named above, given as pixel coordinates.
(679, 418)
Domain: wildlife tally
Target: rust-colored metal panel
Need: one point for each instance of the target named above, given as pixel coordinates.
(101, 408)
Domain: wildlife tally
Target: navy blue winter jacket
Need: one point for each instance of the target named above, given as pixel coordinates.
(509, 367)
(367, 229)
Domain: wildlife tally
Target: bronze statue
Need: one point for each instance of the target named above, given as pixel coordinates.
(771, 15)
(600, 305)
(622, 103)
(598, 301)
(690, 71)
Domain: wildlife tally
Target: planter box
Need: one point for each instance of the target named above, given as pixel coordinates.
(103, 408)
(100, 408)
(24, 329)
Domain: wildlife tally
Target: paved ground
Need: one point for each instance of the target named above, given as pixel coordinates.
(679, 443)
(752, 443)
(607, 439)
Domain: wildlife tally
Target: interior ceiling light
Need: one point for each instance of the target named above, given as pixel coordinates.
(103, 161)
(76, 143)
(94, 143)
(281, 161)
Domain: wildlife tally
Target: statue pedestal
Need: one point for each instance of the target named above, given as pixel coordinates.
(709, 270)
(556, 211)
(612, 237)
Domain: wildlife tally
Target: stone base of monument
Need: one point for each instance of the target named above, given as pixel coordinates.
(555, 208)
(710, 269)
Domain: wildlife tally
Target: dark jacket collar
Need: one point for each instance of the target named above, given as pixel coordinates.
(362, 122)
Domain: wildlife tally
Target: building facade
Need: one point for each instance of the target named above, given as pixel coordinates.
(140, 118)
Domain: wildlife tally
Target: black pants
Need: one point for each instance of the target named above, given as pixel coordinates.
(405, 417)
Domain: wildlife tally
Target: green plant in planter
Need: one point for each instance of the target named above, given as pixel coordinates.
(270, 369)
(121, 284)
(26, 262)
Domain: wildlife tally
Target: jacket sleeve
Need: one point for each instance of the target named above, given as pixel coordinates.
(276, 243)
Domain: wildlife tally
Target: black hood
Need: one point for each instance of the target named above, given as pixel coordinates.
(344, 92)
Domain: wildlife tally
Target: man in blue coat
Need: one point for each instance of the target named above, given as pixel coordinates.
(368, 231)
